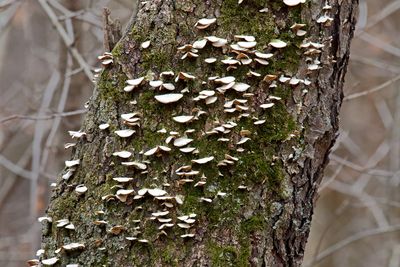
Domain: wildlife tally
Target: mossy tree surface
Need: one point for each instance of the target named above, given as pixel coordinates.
(265, 222)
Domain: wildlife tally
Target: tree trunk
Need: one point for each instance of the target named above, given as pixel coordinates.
(254, 202)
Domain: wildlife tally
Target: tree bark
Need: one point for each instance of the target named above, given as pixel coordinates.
(262, 194)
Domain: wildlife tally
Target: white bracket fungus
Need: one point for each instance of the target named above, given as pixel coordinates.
(205, 23)
(293, 2)
(125, 133)
(168, 98)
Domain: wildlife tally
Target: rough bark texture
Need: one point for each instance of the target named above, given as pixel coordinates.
(266, 224)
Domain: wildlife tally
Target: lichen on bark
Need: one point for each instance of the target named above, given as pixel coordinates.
(264, 223)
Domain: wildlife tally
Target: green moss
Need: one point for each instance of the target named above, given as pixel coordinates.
(64, 205)
(247, 20)
(146, 102)
(222, 256)
(155, 60)
(137, 35)
(168, 256)
(117, 50)
(111, 86)
(254, 223)
(278, 127)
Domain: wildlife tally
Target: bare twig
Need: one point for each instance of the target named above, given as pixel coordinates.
(328, 181)
(60, 108)
(354, 238)
(361, 169)
(373, 90)
(14, 167)
(385, 12)
(376, 63)
(367, 200)
(37, 140)
(68, 42)
(43, 117)
(10, 180)
(377, 42)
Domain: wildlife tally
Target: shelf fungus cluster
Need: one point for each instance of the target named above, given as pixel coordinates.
(235, 98)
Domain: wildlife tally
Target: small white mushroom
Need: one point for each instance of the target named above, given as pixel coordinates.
(68, 145)
(73, 246)
(263, 55)
(187, 149)
(40, 252)
(200, 44)
(122, 179)
(247, 38)
(123, 194)
(81, 189)
(185, 76)
(324, 19)
(230, 61)
(183, 119)
(252, 73)
(247, 44)
(205, 199)
(293, 2)
(277, 43)
(45, 218)
(184, 225)
(241, 87)
(156, 150)
(160, 214)
(71, 163)
(203, 160)
(125, 133)
(155, 84)
(132, 84)
(243, 140)
(76, 134)
(62, 223)
(192, 235)
(168, 86)
(284, 79)
(182, 141)
(168, 98)
(267, 105)
(156, 192)
(205, 23)
(50, 261)
(210, 60)
(261, 61)
(145, 44)
(104, 126)
(259, 122)
(122, 154)
(135, 82)
(301, 32)
(138, 165)
(167, 73)
(225, 80)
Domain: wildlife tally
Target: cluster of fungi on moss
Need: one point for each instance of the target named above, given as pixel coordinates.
(236, 54)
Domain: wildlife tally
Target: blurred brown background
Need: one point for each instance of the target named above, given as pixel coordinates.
(43, 89)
